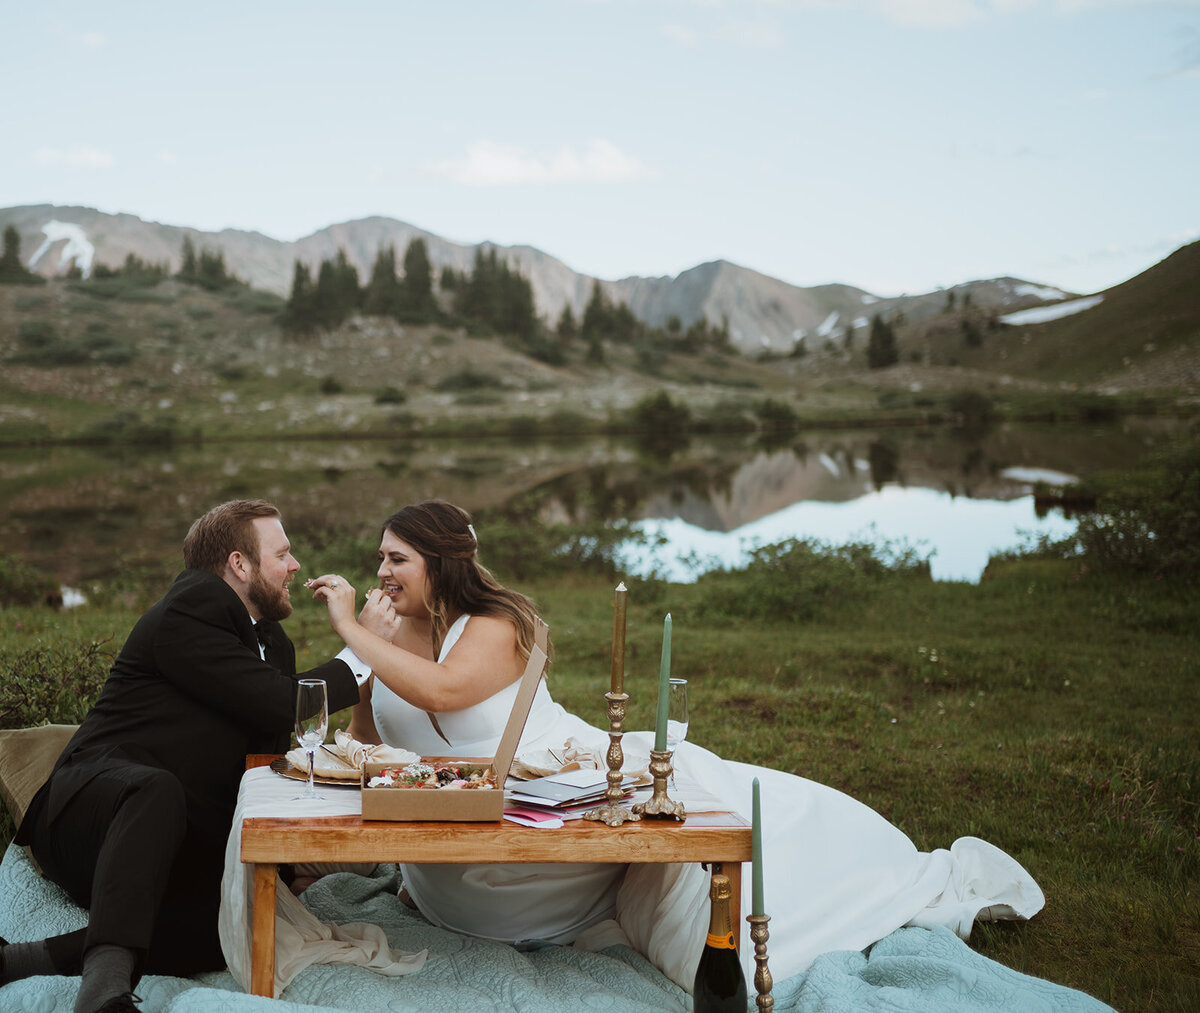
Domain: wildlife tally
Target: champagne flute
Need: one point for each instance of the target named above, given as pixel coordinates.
(312, 722)
(677, 718)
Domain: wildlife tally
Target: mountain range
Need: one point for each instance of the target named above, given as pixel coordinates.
(763, 313)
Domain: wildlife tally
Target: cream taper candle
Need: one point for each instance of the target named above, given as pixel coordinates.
(618, 643)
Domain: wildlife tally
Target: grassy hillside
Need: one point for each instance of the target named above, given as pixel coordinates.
(1146, 331)
(1144, 335)
(118, 359)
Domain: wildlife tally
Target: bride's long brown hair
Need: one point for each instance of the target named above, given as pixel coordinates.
(457, 583)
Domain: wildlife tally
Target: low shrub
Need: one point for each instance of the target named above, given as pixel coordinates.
(253, 300)
(51, 684)
(1149, 521)
(133, 427)
(141, 290)
(794, 580)
(40, 344)
(22, 584)
(469, 380)
(390, 395)
(774, 414)
(521, 550)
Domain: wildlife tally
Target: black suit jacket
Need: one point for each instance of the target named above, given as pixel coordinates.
(189, 693)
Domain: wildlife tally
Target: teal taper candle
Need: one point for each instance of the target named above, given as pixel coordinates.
(756, 906)
(664, 687)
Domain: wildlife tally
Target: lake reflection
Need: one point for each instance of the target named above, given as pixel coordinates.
(957, 534)
(84, 514)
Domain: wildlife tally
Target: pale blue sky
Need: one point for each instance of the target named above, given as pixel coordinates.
(897, 145)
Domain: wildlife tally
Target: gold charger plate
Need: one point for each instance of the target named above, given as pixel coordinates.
(281, 766)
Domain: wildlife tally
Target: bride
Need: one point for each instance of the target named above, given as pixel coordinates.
(837, 875)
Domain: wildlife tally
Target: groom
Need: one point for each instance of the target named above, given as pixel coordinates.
(133, 820)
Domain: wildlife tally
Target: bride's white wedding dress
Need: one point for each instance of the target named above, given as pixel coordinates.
(837, 875)
(514, 903)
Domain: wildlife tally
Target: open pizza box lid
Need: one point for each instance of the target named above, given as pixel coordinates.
(403, 803)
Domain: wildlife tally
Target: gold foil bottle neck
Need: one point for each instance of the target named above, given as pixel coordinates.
(720, 888)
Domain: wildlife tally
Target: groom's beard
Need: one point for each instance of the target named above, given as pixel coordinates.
(272, 601)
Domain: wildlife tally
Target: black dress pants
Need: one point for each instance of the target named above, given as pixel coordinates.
(121, 846)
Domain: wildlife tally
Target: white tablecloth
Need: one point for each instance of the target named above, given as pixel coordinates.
(300, 938)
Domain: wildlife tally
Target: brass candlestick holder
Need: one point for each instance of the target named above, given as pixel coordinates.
(762, 974)
(658, 804)
(612, 812)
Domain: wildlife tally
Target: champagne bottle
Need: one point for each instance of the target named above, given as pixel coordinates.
(720, 985)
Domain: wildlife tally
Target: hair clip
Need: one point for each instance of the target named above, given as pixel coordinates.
(475, 537)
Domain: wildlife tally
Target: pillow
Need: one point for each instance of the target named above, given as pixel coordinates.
(27, 756)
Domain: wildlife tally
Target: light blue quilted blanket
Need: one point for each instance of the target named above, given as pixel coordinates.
(911, 970)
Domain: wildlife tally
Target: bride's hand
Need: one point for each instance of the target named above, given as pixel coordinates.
(338, 595)
(378, 616)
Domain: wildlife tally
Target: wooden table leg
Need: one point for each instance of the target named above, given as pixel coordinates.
(262, 939)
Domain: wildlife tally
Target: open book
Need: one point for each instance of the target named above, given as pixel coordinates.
(567, 788)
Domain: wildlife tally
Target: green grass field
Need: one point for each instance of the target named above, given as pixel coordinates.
(1051, 710)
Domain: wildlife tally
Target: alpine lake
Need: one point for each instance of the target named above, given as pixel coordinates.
(79, 512)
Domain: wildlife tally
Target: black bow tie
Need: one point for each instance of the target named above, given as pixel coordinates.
(263, 630)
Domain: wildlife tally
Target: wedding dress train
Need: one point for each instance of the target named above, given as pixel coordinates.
(837, 875)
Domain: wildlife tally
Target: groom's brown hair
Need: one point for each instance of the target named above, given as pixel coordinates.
(224, 529)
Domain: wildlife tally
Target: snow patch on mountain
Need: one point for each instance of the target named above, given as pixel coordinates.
(828, 324)
(1040, 314)
(77, 250)
(1038, 291)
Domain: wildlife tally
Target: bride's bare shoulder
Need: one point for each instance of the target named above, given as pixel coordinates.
(490, 627)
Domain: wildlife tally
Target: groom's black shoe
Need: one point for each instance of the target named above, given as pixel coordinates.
(126, 1003)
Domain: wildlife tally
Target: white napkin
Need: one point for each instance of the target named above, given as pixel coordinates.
(575, 755)
(344, 759)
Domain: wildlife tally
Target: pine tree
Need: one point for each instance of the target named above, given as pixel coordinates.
(12, 248)
(12, 271)
(187, 269)
(298, 313)
(881, 346)
(417, 287)
(596, 324)
(349, 295)
(382, 297)
(567, 328)
(497, 296)
(327, 308)
(210, 272)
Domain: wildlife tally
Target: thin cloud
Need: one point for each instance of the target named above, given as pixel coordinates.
(489, 163)
(1189, 58)
(81, 156)
(681, 35)
(750, 34)
(939, 14)
(743, 33)
(94, 40)
(1157, 248)
(930, 13)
